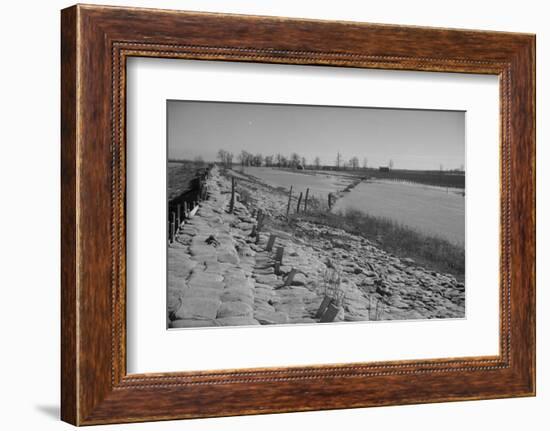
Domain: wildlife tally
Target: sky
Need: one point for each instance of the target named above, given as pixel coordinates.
(413, 139)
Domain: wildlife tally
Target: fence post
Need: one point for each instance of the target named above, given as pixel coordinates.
(232, 202)
(299, 201)
(170, 234)
(270, 242)
(330, 313)
(289, 200)
(279, 254)
(329, 201)
(279, 259)
(172, 226)
(259, 224)
(323, 307)
(305, 202)
(174, 222)
(290, 277)
(179, 215)
(185, 213)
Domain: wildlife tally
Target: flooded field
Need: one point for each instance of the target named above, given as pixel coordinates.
(431, 210)
(428, 209)
(319, 184)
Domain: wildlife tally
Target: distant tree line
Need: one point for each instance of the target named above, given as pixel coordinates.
(226, 158)
(296, 161)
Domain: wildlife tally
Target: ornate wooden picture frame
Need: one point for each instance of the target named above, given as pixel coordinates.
(96, 41)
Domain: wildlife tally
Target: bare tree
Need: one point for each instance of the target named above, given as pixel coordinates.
(242, 157)
(257, 160)
(317, 162)
(338, 160)
(268, 160)
(304, 162)
(245, 158)
(354, 162)
(390, 164)
(294, 159)
(284, 161)
(226, 158)
(365, 163)
(222, 156)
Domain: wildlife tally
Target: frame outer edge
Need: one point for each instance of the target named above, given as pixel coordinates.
(530, 62)
(87, 397)
(69, 196)
(523, 216)
(532, 101)
(533, 54)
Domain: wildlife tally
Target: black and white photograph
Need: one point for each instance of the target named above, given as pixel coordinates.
(275, 215)
(295, 214)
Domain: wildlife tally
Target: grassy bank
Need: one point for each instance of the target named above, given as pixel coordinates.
(431, 252)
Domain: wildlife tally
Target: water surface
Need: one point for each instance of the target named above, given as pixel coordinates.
(318, 183)
(431, 210)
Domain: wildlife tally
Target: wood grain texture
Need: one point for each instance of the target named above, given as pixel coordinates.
(68, 218)
(96, 41)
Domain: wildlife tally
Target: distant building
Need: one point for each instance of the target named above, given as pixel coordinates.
(384, 169)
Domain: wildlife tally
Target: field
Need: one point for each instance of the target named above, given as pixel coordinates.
(453, 179)
(434, 211)
(430, 210)
(180, 177)
(319, 183)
